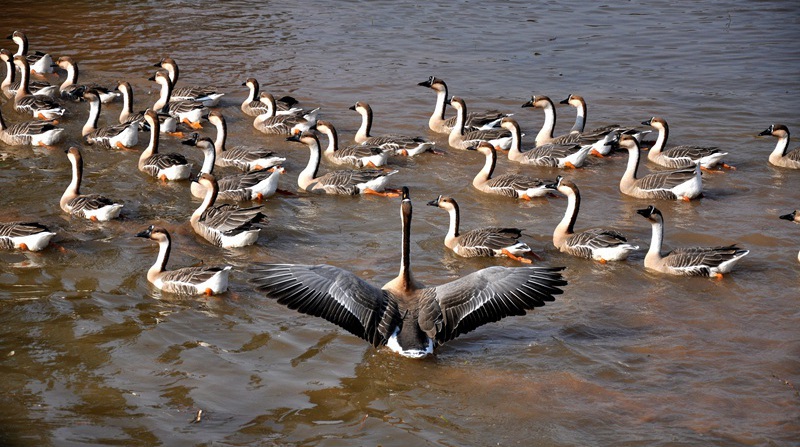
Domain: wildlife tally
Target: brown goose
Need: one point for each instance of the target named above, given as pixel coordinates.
(90, 206)
(120, 136)
(11, 84)
(460, 138)
(510, 185)
(682, 184)
(567, 155)
(355, 155)
(30, 236)
(42, 107)
(208, 96)
(473, 120)
(163, 166)
(404, 315)
(245, 158)
(393, 144)
(70, 89)
(271, 123)
(781, 155)
(253, 106)
(684, 156)
(226, 225)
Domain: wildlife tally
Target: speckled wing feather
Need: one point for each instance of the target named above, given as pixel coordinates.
(21, 133)
(182, 281)
(691, 152)
(794, 155)
(549, 154)
(583, 244)
(394, 142)
(36, 102)
(88, 202)
(509, 184)
(183, 106)
(474, 137)
(10, 230)
(331, 293)
(229, 218)
(241, 157)
(241, 181)
(280, 124)
(659, 183)
(476, 120)
(353, 153)
(156, 162)
(347, 181)
(103, 135)
(484, 241)
(698, 261)
(191, 93)
(485, 296)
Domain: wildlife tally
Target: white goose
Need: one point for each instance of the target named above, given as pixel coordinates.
(208, 96)
(119, 136)
(681, 156)
(202, 280)
(39, 63)
(31, 236)
(185, 111)
(682, 184)
(781, 155)
(10, 84)
(287, 124)
(355, 155)
(90, 206)
(226, 226)
(510, 185)
(485, 241)
(42, 107)
(169, 166)
(553, 155)
(35, 133)
(394, 144)
(407, 317)
(345, 182)
(687, 261)
(252, 185)
(597, 243)
(252, 105)
(241, 157)
(70, 89)
(459, 138)
(473, 121)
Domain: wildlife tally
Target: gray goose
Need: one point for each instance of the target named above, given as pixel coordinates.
(39, 63)
(31, 236)
(42, 107)
(682, 184)
(474, 120)
(163, 166)
(169, 125)
(687, 261)
(485, 241)
(355, 155)
(185, 111)
(781, 155)
(70, 89)
(404, 315)
(90, 206)
(252, 105)
(684, 156)
(227, 225)
(120, 136)
(567, 155)
(393, 144)
(509, 185)
(271, 123)
(35, 133)
(241, 157)
(460, 138)
(208, 96)
(10, 83)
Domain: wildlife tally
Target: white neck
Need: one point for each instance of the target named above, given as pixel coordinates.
(546, 133)
(163, 98)
(660, 143)
(94, 114)
(580, 118)
(208, 200)
(654, 252)
(10, 73)
(563, 230)
(73, 190)
(161, 261)
(252, 95)
(24, 78)
(452, 232)
(308, 174)
(22, 48)
(633, 164)
(333, 143)
(780, 148)
(514, 151)
(209, 157)
(485, 173)
(222, 135)
(72, 77)
(127, 105)
(366, 123)
(437, 118)
(152, 147)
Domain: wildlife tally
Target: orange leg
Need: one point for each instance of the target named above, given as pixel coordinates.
(568, 164)
(208, 292)
(119, 145)
(259, 197)
(596, 153)
(93, 218)
(524, 197)
(515, 257)
(727, 166)
(717, 276)
(382, 194)
(196, 125)
(686, 199)
(176, 134)
(23, 246)
(370, 165)
(602, 261)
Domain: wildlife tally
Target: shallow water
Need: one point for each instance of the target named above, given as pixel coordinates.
(93, 355)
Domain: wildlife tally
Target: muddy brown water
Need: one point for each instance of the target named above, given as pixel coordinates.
(91, 354)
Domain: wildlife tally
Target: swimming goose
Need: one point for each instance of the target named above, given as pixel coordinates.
(42, 107)
(185, 111)
(597, 243)
(345, 182)
(242, 157)
(35, 133)
(226, 226)
(38, 62)
(682, 184)
(404, 315)
(602, 141)
(90, 206)
(781, 155)
(486, 241)
(169, 166)
(252, 185)
(680, 156)
(29, 236)
(208, 96)
(579, 104)
(687, 261)
(202, 280)
(120, 136)
(10, 84)
(461, 139)
(356, 155)
(792, 217)
(70, 89)
(473, 121)
(286, 124)
(566, 155)
(169, 125)
(510, 185)
(393, 144)
(253, 106)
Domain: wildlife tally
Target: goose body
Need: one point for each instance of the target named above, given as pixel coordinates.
(241, 157)
(30, 236)
(252, 185)
(485, 241)
(355, 155)
(34, 133)
(169, 166)
(473, 120)
(393, 144)
(90, 206)
(511, 185)
(70, 89)
(682, 184)
(597, 243)
(687, 261)
(252, 105)
(459, 138)
(38, 62)
(168, 124)
(407, 317)
(10, 84)
(287, 124)
(188, 112)
(677, 157)
(794, 216)
(119, 136)
(344, 182)
(208, 96)
(226, 226)
(552, 155)
(42, 107)
(202, 280)
(781, 155)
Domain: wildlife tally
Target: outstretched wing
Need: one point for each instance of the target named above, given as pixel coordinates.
(485, 296)
(333, 294)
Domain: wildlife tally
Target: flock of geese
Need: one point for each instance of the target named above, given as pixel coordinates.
(404, 315)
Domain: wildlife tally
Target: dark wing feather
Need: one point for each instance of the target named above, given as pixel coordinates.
(515, 181)
(488, 295)
(230, 218)
(794, 155)
(492, 238)
(698, 261)
(20, 229)
(165, 161)
(692, 152)
(582, 244)
(89, 202)
(333, 294)
(241, 181)
(666, 180)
